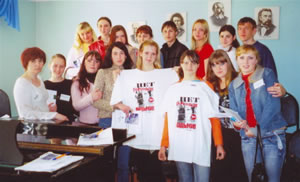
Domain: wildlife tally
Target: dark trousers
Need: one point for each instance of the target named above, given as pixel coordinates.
(148, 166)
(232, 167)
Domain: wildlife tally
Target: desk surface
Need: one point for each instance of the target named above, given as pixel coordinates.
(91, 154)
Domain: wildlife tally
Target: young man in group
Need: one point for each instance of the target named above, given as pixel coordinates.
(172, 49)
(247, 30)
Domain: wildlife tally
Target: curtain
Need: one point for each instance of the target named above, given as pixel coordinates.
(10, 11)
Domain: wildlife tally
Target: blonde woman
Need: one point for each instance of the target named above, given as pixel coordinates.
(60, 87)
(249, 96)
(139, 92)
(84, 37)
(201, 44)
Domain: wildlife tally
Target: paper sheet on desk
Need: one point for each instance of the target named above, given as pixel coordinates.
(229, 113)
(94, 139)
(45, 163)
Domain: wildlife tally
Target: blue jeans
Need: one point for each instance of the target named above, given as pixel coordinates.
(123, 163)
(191, 172)
(105, 122)
(273, 156)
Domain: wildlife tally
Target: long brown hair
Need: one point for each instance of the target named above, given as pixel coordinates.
(217, 57)
(114, 31)
(82, 74)
(193, 57)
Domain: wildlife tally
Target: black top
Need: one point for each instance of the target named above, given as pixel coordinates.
(63, 97)
(224, 102)
(171, 55)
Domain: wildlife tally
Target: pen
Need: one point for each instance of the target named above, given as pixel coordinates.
(60, 156)
(96, 135)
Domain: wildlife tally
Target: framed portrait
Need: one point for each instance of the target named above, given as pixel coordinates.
(131, 31)
(179, 18)
(267, 20)
(219, 14)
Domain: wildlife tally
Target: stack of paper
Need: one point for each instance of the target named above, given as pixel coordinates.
(49, 162)
(101, 137)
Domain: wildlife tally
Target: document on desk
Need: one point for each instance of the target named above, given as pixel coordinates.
(49, 162)
(101, 137)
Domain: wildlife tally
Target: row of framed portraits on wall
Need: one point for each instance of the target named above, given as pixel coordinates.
(219, 14)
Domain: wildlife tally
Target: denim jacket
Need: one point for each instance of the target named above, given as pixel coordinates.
(266, 108)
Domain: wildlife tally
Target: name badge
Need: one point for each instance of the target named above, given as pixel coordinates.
(258, 83)
(65, 97)
(52, 96)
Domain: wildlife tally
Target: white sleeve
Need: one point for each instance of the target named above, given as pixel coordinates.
(214, 102)
(22, 95)
(166, 102)
(174, 76)
(74, 60)
(117, 95)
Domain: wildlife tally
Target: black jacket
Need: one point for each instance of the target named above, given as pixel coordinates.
(171, 55)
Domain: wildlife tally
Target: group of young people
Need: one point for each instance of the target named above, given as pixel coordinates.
(173, 111)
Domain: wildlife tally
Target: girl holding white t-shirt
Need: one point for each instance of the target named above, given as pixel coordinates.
(189, 108)
(140, 92)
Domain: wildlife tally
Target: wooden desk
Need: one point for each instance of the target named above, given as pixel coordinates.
(98, 163)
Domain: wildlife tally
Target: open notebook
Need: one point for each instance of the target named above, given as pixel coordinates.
(49, 162)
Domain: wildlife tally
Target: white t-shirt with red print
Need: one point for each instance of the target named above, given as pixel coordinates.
(143, 92)
(189, 105)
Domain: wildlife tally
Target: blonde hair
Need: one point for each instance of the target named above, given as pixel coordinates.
(156, 64)
(83, 27)
(206, 31)
(247, 48)
(58, 56)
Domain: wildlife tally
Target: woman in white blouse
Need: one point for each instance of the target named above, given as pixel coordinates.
(29, 91)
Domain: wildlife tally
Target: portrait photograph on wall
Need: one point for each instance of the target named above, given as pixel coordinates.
(131, 31)
(267, 19)
(179, 18)
(219, 14)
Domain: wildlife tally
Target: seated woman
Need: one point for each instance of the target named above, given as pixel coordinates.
(60, 87)
(31, 95)
(82, 90)
(249, 96)
(29, 91)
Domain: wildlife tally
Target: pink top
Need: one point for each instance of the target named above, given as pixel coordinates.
(204, 53)
(83, 102)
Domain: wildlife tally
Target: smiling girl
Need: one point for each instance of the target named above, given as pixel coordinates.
(201, 44)
(139, 92)
(249, 97)
(84, 37)
(60, 87)
(189, 108)
(229, 43)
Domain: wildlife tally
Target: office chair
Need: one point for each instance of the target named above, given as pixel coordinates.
(4, 104)
(290, 110)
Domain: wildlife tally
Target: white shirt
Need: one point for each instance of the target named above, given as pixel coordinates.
(74, 60)
(189, 106)
(143, 92)
(232, 56)
(31, 101)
